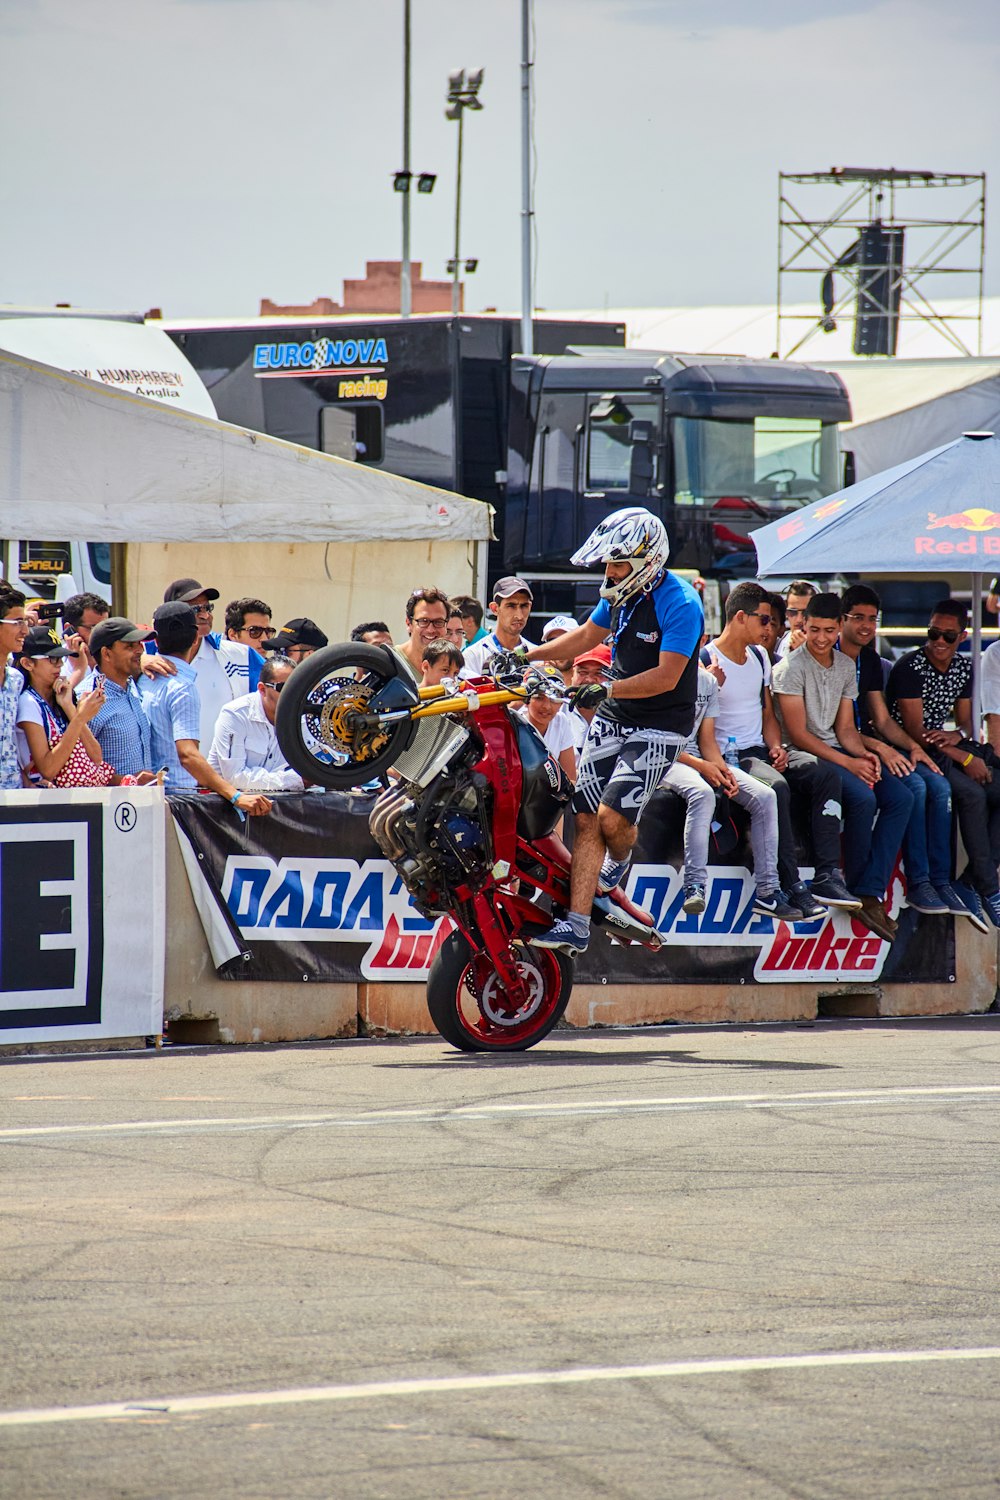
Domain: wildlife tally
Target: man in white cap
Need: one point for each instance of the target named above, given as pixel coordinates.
(511, 604)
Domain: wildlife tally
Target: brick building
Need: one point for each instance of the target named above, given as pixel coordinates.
(377, 293)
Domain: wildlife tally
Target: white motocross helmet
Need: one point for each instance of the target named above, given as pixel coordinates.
(632, 535)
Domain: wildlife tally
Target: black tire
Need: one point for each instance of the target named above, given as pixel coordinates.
(469, 1024)
(303, 718)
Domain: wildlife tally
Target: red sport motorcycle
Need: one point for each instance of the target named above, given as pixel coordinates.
(466, 820)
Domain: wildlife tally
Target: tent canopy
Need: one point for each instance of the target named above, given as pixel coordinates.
(87, 463)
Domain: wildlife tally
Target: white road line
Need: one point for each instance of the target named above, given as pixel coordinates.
(690, 1369)
(805, 1099)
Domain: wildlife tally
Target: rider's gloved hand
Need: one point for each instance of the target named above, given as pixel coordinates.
(589, 695)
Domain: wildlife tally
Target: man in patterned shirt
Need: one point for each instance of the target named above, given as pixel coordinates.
(120, 727)
(926, 687)
(13, 629)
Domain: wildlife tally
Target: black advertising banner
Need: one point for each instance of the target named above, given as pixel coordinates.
(309, 897)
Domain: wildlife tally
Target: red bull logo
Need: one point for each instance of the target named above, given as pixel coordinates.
(976, 522)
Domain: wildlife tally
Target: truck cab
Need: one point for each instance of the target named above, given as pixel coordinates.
(714, 445)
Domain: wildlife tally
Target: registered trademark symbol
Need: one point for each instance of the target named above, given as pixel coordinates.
(125, 817)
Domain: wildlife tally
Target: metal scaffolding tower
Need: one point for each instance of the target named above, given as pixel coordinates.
(872, 228)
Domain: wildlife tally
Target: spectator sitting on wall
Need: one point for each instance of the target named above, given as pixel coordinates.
(775, 627)
(223, 669)
(170, 702)
(471, 612)
(245, 748)
(816, 690)
(248, 622)
(797, 596)
(80, 613)
(61, 748)
(927, 841)
(745, 711)
(696, 775)
(512, 601)
(557, 626)
(426, 621)
(926, 688)
(590, 668)
(440, 660)
(120, 727)
(13, 630)
(297, 639)
(372, 633)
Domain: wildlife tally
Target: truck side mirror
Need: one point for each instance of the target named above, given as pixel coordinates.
(850, 468)
(640, 469)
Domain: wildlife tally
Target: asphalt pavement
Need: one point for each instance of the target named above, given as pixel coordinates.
(678, 1262)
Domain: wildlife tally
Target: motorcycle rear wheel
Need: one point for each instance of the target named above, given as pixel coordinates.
(463, 991)
(313, 722)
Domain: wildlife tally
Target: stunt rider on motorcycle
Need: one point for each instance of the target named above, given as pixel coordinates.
(655, 624)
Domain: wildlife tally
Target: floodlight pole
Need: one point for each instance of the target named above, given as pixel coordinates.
(527, 291)
(405, 282)
(456, 270)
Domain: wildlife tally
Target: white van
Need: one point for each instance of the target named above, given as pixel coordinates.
(120, 350)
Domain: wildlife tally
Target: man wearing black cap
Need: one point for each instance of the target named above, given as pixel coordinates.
(296, 639)
(120, 727)
(512, 601)
(170, 703)
(224, 669)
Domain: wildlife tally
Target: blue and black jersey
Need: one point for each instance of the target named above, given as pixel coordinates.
(668, 618)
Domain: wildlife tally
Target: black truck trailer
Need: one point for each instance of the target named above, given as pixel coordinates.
(715, 445)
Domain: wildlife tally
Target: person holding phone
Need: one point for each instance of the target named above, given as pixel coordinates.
(56, 730)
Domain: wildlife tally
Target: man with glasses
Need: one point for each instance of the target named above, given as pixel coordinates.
(927, 840)
(427, 612)
(511, 604)
(248, 621)
(926, 688)
(224, 669)
(298, 639)
(13, 630)
(80, 614)
(245, 749)
(746, 712)
(797, 596)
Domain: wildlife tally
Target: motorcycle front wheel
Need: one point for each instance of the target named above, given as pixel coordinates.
(317, 718)
(465, 995)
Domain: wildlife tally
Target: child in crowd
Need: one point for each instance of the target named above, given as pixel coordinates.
(440, 659)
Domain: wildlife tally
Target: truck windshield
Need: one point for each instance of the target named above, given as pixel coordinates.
(790, 459)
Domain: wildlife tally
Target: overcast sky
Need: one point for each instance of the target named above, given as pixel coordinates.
(200, 154)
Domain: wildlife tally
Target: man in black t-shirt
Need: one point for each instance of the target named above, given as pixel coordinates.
(927, 687)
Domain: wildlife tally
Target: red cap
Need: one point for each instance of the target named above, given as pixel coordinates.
(599, 653)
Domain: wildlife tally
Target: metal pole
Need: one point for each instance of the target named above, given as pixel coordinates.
(977, 655)
(527, 290)
(405, 283)
(458, 216)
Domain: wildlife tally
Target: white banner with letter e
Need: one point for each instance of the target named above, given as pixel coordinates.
(82, 914)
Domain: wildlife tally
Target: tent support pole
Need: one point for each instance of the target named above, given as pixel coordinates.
(977, 648)
(119, 603)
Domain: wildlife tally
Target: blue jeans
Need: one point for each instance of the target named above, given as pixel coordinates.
(927, 841)
(875, 820)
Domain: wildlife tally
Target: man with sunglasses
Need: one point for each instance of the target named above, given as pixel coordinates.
(926, 688)
(245, 749)
(797, 596)
(248, 622)
(746, 713)
(224, 669)
(13, 630)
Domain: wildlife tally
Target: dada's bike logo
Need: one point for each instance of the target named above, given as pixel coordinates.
(338, 900)
(335, 901)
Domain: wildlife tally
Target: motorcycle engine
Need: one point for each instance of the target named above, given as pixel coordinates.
(437, 839)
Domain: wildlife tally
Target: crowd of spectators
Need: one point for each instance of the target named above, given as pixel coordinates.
(800, 722)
